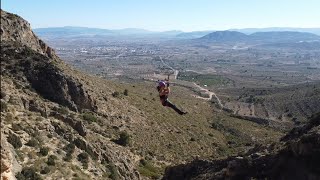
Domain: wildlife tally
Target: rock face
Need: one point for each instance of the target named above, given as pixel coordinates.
(296, 157)
(75, 124)
(26, 57)
(16, 29)
(9, 165)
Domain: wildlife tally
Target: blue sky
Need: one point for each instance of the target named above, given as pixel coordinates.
(161, 15)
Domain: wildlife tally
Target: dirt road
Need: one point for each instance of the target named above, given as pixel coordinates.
(210, 93)
(201, 88)
(175, 72)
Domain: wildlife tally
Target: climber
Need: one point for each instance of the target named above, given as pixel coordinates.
(164, 90)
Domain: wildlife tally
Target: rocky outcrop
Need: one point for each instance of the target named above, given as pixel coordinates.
(75, 124)
(53, 84)
(296, 157)
(16, 29)
(9, 165)
(111, 154)
(23, 60)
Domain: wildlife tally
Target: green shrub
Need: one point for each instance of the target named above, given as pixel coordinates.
(217, 126)
(16, 127)
(28, 52)
(50, 136)
(116, 94)
(15, 141)
(33, 142)
(143, 162)
(51, 160)
(68, 157)
(63, 110)
(44, 151)
(126, 92)
(9, 118)
(39, 118)
(113, 172)
(84, 159)
(124, 139)
(147, 169)
(3, 106)
(12, 16)
(2, 95)
(90, 117)
(69, 148)
(45, 170)
(28, 173)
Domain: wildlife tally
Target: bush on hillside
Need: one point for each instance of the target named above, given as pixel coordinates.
(28, 173)
(146, 168)
(45, 170)
(51, 160)
(124, 139)
(63, 110)
(44, 151)
(15, 141)
(33, 142)
(90, 117)
(84, 159)
(3, 106)
(69, 150)
(126, 92)
(113, 171)
(116, 94)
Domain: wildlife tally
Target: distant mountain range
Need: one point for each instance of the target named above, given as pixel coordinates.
(276, 36)
(71, 31)
(198, 34)
(193, 34)
(254, 30)
(230, 35)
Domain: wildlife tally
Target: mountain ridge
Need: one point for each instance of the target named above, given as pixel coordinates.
(75, 30)
(86, 31)
(265, 37)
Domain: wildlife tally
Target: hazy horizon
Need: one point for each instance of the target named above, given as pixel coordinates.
(181, 30)
(166, 15)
